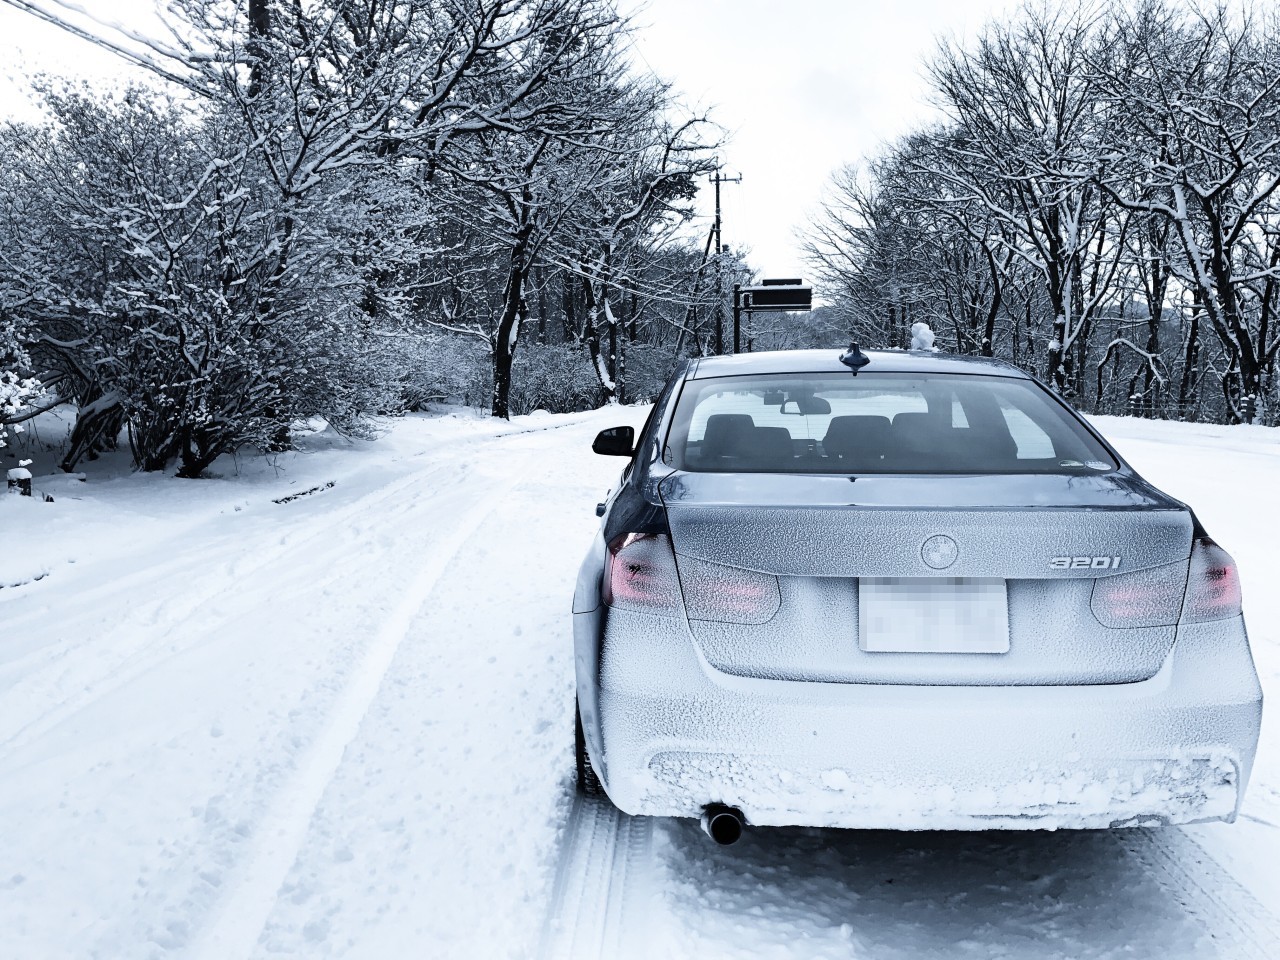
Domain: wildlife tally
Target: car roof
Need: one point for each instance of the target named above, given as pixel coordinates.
(828, 361)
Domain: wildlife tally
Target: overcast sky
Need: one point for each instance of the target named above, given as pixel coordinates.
(801, 86)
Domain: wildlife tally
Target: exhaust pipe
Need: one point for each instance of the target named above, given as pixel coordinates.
(722, 824)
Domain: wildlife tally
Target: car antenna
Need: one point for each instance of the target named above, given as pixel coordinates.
(854, 359)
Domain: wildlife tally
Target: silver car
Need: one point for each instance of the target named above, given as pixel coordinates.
(902, 590)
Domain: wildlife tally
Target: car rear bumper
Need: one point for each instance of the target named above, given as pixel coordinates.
(670, 734)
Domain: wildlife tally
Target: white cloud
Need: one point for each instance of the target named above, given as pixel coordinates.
(804, 87)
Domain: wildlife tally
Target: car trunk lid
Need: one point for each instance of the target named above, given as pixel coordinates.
(1045, 537)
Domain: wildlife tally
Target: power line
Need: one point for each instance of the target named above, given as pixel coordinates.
(149, 42)
(132, 56)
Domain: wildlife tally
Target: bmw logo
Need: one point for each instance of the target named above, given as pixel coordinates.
(939, 552)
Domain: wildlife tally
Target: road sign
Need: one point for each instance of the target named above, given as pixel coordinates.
(773, 296)
(770, 296)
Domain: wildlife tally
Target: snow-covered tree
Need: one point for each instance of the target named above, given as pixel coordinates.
(638, 198)
(602, 171)
(334, 186)
(163, 305)
(1198, 155)
(1100, 204)
(1026, 121)
(18, 276)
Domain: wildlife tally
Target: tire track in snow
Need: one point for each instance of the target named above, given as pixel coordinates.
(180, 615)
(600, 888)
(238, 920)
(1241, 927)
(237, 561)
(198, 558)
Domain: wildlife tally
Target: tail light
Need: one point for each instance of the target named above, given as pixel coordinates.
(1145, 598)
(1213, 584)
(641, 574)
(713, 591)
(1208, 588)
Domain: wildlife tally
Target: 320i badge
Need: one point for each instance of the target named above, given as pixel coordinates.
(902, 590)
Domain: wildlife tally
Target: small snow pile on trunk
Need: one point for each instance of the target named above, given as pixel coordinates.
(922, 337)
(19, 480)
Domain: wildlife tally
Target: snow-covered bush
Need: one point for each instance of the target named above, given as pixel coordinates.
(15, 393)
(431, 367)
(648, 368)
(184, 296)
(18, 387)
(555, 377)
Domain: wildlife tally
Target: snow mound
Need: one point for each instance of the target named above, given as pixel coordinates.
(922, 337)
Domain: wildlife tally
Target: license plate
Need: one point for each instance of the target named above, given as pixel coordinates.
(933, 615)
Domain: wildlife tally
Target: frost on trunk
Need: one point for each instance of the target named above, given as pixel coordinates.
(599, 361)
(599, 336)
(613, 383)
(602, 372)
(507, 335)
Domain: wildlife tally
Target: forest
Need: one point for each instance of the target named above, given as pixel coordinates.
(345, 210)
(1098, 205)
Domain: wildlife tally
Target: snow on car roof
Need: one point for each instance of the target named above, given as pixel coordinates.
(828, 361)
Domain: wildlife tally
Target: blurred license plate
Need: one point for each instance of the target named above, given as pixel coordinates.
(933, 615)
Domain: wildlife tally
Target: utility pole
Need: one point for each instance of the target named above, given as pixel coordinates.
(717, 180)
(737, 319)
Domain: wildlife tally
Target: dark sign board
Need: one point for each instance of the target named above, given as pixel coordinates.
(776, 297)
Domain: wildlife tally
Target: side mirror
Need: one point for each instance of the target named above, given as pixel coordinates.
(615, 442)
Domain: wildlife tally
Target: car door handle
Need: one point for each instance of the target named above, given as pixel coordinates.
(599, 509)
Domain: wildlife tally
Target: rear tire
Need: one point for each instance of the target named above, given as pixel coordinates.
(588, 784)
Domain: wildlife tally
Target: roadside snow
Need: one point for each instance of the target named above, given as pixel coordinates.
(1230, 476)
(232, 727)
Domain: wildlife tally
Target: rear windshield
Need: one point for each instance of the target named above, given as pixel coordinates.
(878, 423)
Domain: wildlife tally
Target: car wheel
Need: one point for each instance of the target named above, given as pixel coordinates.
(587, 782)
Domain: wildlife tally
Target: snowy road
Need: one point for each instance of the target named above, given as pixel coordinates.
(341, 726)
(848, 894)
